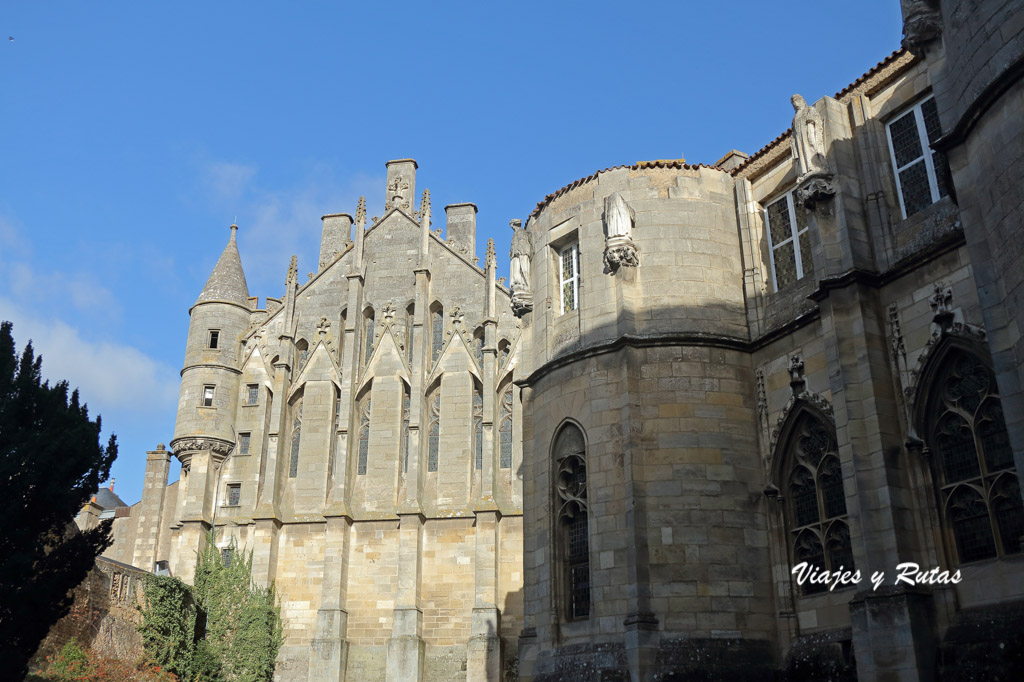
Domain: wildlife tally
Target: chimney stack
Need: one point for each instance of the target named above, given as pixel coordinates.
(460, 232)
(337, 231)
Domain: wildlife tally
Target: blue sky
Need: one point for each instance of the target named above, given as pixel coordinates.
(133, 134)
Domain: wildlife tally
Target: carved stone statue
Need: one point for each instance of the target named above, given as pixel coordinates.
(808, 139)
(521, 254)
(618, 225)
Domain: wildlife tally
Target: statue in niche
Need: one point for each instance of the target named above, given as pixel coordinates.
(519, 271)
(618, 224)
(808, 139)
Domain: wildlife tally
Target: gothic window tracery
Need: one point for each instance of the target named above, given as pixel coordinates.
(293, 466)
(364, 434)
(816, 506)
(505, 431)
(978, 482)
(572, 519)
(434, 430)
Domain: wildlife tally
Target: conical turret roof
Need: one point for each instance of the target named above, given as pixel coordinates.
(227, 282)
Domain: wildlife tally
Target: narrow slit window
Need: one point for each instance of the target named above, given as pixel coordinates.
(434, 431)
(364, 436)
(234, 494)
(569, 269)
(208, 396)
(243, 443)
(214, 338)
(505, 431)
(293, 466)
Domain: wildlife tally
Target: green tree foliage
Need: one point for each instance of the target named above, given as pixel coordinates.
(232, 635)
(51, 463)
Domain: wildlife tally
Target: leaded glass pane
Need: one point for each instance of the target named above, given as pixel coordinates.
(778, 221)
(915, 189)
(808, 548)
(971, 526)
(832, 489)
(579, 565)
(805, 254)
(234, 495)
(369, 329)
(243, 443)
(805, 498)
(1009, 512)
(254, 394)
(995, 441)
(567, 264)
(956, 448)
(580, 588)
(785, 265)
(906, 143)
(840, 549)
(293, 465)
(930, 113)
(968, 383)
(568, 297)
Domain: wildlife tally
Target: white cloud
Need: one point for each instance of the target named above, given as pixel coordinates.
(109, 375)
(227, 180)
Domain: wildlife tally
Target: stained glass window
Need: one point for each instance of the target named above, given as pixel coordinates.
(574, 535)
(243, 443)
(437, 333)
(293, 467)
(979, 484)
(434, 431)
(505, 430)
(786, 231)
(922, 175)
(234, 494)
(368, 332)
(364, 435)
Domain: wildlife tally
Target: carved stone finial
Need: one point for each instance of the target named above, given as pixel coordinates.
(397, 190)
(619, 249)
(425, 207)
(501, 281)
(796, 374)
(490, 257)
(293, 271)
(361, 213)
(942, 306)
(808, 139)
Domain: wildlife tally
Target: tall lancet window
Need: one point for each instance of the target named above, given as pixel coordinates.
(410, 314)
(368, 332)
(436, 331)
(816, 509)
(505, 430)
(434, 430)
(405, 428)
(478, 426)
(364, 433)
(978, 482)
(293, 466)
(573, 529)
(478, 346)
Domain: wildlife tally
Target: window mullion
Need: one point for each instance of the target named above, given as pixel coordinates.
(926, 150)
(895, 168)
(794, 236)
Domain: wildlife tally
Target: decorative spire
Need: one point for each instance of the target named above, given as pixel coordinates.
(361, 213)
(227, 282)
(490, 259)
(293, 271)
(425, 207)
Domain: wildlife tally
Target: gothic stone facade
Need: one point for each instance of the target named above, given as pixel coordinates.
(806, 356)
(360, 437)
(731, 370)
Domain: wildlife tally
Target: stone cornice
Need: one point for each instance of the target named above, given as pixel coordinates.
(214, 365)
(184, 447)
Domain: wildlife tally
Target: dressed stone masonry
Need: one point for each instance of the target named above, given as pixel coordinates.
(699, 378)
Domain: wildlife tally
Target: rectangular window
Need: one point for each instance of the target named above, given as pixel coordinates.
(252, 394)
(226, 556)
(234, 494)
(243, 443)
(921, 174)
(207, 396)
(789, 242)
(214, 338)
(569, 260)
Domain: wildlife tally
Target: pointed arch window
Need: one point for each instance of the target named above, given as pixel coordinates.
(364, 434)
(978, 482)
(505, 431)
(368, 333)
(436, 332)
(478, 426)
(405, 429)
(293, 465)
(573, 532)
(434, 430)
(410, 329)
(302, 353)
(816, 508)
(478, 346)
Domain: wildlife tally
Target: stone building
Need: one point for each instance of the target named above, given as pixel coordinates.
(360, 435)
(700, 378)
(728, 371)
